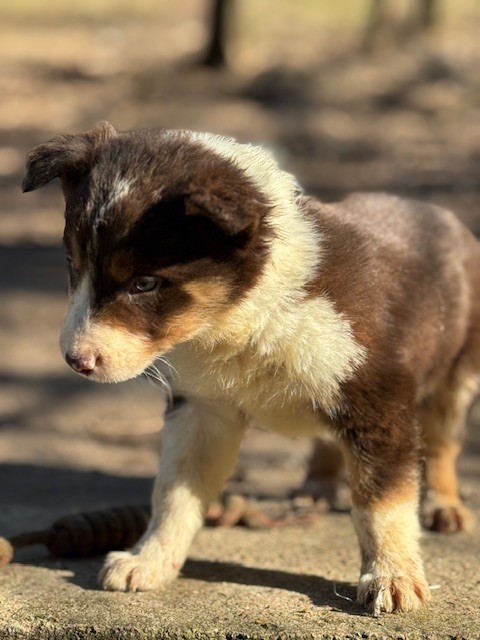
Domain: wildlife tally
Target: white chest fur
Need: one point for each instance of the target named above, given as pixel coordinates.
(282, 379)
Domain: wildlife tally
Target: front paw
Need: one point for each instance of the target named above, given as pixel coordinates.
(127, 571)
(388, 593)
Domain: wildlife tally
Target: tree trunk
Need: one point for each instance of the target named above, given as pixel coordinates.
(427, 14)
(220, 18)
(388, 26)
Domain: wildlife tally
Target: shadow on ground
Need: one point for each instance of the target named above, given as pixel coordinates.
(321, 592)
(340, 596)
(67, 490)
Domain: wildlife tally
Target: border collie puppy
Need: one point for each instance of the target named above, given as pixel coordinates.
(361, 318)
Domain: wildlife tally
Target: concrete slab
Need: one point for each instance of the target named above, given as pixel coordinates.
(291, 583)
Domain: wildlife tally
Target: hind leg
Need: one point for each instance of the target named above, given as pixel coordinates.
(326, 476)
(443, 417)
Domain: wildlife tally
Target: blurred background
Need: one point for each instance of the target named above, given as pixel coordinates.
(349, 94)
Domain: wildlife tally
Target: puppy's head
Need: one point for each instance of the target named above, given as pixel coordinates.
(163, 236)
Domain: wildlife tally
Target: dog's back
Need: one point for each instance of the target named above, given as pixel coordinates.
(407, 275)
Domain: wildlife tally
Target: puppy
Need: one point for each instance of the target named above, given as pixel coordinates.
(361, 318)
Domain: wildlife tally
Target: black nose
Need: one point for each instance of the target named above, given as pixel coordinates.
(82, 364)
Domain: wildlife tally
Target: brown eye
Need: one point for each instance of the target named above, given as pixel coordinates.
(144, 284)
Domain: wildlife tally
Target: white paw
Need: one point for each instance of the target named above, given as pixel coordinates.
(127, 571)
(388, 593)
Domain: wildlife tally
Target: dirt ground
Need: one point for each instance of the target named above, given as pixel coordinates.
(407, 122)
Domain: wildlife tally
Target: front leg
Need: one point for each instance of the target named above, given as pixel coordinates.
(384, 476)
(196, 460)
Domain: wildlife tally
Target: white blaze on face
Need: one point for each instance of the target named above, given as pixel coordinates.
(119, 189)
(78, 318)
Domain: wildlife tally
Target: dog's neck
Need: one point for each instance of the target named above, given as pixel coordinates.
(270, 310)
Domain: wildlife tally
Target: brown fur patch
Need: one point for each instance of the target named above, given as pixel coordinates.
(326, 462)
(396, 270)
(120, 265)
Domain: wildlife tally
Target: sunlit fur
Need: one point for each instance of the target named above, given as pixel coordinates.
(392, 576)
(276, 350)
(358, 317)
(197, 456)
(123, 354)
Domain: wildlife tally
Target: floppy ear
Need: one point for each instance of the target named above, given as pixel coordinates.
(63, 155)
(230, 215)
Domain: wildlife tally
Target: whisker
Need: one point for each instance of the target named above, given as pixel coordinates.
(152, 373)
(170, 366)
